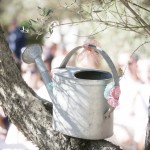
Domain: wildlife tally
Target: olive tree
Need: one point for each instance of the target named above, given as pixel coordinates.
(24, 108)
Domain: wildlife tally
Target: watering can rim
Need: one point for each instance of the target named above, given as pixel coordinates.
(79, 69)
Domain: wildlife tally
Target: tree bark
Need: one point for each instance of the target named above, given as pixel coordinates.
(31, 115)
(147, 140)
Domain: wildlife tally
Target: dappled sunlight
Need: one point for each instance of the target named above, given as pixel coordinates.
(77, 85)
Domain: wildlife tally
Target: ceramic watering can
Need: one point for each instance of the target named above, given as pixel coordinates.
(79, 106)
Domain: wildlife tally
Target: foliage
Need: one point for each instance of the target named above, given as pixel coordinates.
(101, 17)
(124, 14)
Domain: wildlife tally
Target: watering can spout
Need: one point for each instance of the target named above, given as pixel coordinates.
(32, 54)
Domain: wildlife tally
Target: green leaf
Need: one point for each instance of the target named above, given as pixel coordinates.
(24, 30)
(50, 30)
(48, 12)
(30, 23)
(39, 7)
(32, 29)
(33, 20)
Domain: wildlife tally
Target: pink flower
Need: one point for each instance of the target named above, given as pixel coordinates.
(112, 95)
(112, 102)
(115, 92)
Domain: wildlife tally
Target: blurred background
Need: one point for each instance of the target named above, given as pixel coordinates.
(61, 25)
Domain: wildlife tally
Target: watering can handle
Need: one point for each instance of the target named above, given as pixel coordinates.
(107, 59)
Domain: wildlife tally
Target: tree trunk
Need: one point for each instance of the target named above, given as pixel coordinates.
(147, 140)
(32, 116)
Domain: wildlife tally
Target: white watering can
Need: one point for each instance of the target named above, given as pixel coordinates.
(79, 107)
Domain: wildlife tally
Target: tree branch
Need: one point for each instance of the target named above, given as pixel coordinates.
(125, 3)
(139, 6)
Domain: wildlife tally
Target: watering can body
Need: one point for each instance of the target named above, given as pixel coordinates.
(79, 104)
(79, 107)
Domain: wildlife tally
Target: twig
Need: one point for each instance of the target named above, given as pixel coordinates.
(133, 54)
(139, 47)
(136, 15)
(139, 6)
